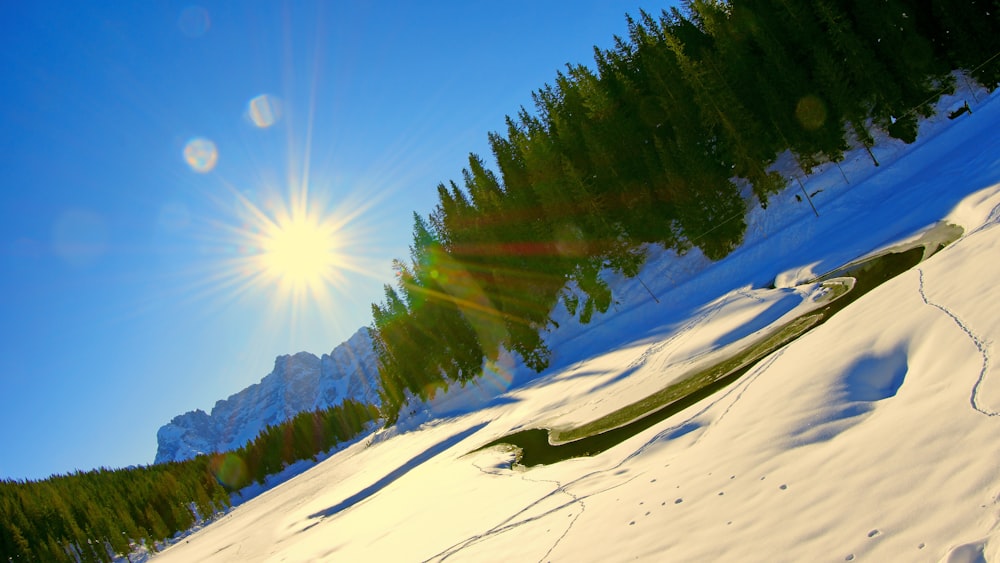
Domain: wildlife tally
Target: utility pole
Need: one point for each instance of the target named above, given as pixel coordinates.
(805, 193)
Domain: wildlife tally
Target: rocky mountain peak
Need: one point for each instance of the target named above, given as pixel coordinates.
(299, 382)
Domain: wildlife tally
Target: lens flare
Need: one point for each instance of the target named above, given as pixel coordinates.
(498, 375)
(194, 21)
(229, 469)
(201, 155)
(460, 288)
(810, 112)
(292, 239)
(264, 111)
(79, 237)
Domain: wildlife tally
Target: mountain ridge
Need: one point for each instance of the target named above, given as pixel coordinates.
(298, 382)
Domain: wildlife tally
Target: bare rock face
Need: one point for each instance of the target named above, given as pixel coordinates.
(299, 382)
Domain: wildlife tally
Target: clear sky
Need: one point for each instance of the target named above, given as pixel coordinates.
(189, 190)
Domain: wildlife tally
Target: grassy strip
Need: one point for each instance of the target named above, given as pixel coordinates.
(540, 446)
(676, 391)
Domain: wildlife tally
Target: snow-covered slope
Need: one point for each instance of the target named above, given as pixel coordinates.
(873, 437)
(299, 382)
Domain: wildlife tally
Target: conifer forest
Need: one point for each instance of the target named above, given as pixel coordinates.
(666, 140)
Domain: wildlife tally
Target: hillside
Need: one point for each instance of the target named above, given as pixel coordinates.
(872, 436)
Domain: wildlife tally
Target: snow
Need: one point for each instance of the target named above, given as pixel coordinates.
(872, 437)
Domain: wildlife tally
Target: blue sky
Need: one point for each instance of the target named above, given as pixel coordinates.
(129, 286)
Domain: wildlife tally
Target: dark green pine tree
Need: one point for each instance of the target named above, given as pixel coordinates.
(452, 305)
(769, 70)
(399, 356)
(739, 135)
(963, 34)
(847, 69)
(910, 79)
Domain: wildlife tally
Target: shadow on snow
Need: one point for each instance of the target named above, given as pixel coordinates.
(395, 474)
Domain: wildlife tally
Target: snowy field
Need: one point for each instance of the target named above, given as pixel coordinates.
(874, 437)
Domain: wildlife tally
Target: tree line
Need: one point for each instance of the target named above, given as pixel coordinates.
(95, 515)
(666, 140)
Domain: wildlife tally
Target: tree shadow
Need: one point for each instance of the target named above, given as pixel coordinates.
(766, 318)
(398, 472)
(625, 373)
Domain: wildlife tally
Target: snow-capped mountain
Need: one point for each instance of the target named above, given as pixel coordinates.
(299, 382)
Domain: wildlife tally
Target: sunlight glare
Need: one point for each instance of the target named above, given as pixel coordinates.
(299, 250)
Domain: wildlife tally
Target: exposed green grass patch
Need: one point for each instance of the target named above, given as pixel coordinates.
(543, 446)
(672, 393)
(838, 287)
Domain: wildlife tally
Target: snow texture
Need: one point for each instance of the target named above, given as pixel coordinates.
(872, 437)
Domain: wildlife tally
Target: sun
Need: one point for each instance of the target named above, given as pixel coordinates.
(294, 247)
(299, 251)
(291, 254)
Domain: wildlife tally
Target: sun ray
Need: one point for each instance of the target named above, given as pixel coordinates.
(291, 232)
(285, 249)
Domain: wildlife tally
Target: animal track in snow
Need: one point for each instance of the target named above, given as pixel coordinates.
(978, 342)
